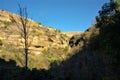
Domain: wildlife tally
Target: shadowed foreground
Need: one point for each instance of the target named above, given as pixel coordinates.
(81, 66)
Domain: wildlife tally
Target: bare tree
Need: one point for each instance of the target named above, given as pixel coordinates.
(24, 28)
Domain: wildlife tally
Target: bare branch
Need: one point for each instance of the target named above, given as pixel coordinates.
(24, 29)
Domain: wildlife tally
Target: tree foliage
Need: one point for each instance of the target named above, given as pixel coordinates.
(107, 12)
(108, 40)
(118, 1)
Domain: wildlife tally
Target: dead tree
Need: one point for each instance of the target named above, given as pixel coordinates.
(23, 26)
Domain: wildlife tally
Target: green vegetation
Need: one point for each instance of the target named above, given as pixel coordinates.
(66, 49)
(58, 30)
(75, 40)
(6, 23)
(39, 23)
(118, 1)
(46, 51)
(51, 59)
(108, 22)
(34, 31)
(1, 42)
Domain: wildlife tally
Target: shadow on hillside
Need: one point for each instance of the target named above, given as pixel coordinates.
(86, 66)
(81, 66)
(98, 60)
(9, 71)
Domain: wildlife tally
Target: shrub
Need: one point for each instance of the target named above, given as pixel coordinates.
(51, 59)
(46, 51)
(66, 49)
(6, 23)
(1, 43)
(39, 23)
(33, 31)
(71, 41)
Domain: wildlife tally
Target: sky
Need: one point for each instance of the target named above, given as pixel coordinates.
(65, 15)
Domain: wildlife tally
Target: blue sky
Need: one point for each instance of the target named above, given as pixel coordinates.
(66, 15)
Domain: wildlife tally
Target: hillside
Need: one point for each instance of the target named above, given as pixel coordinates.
(54, 55)
(99, 57)
(41, 33)
(46, 43)
(70, 34)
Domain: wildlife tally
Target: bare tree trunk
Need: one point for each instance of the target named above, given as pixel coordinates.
(26, 57)
(24, 30)
(26, 43)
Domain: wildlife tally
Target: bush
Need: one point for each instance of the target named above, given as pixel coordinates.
(33, 31)
(39, 23)
(6, 23)
(71, 42)
(51, 59)
(46, 51)
(1, 43)
(66, 49)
